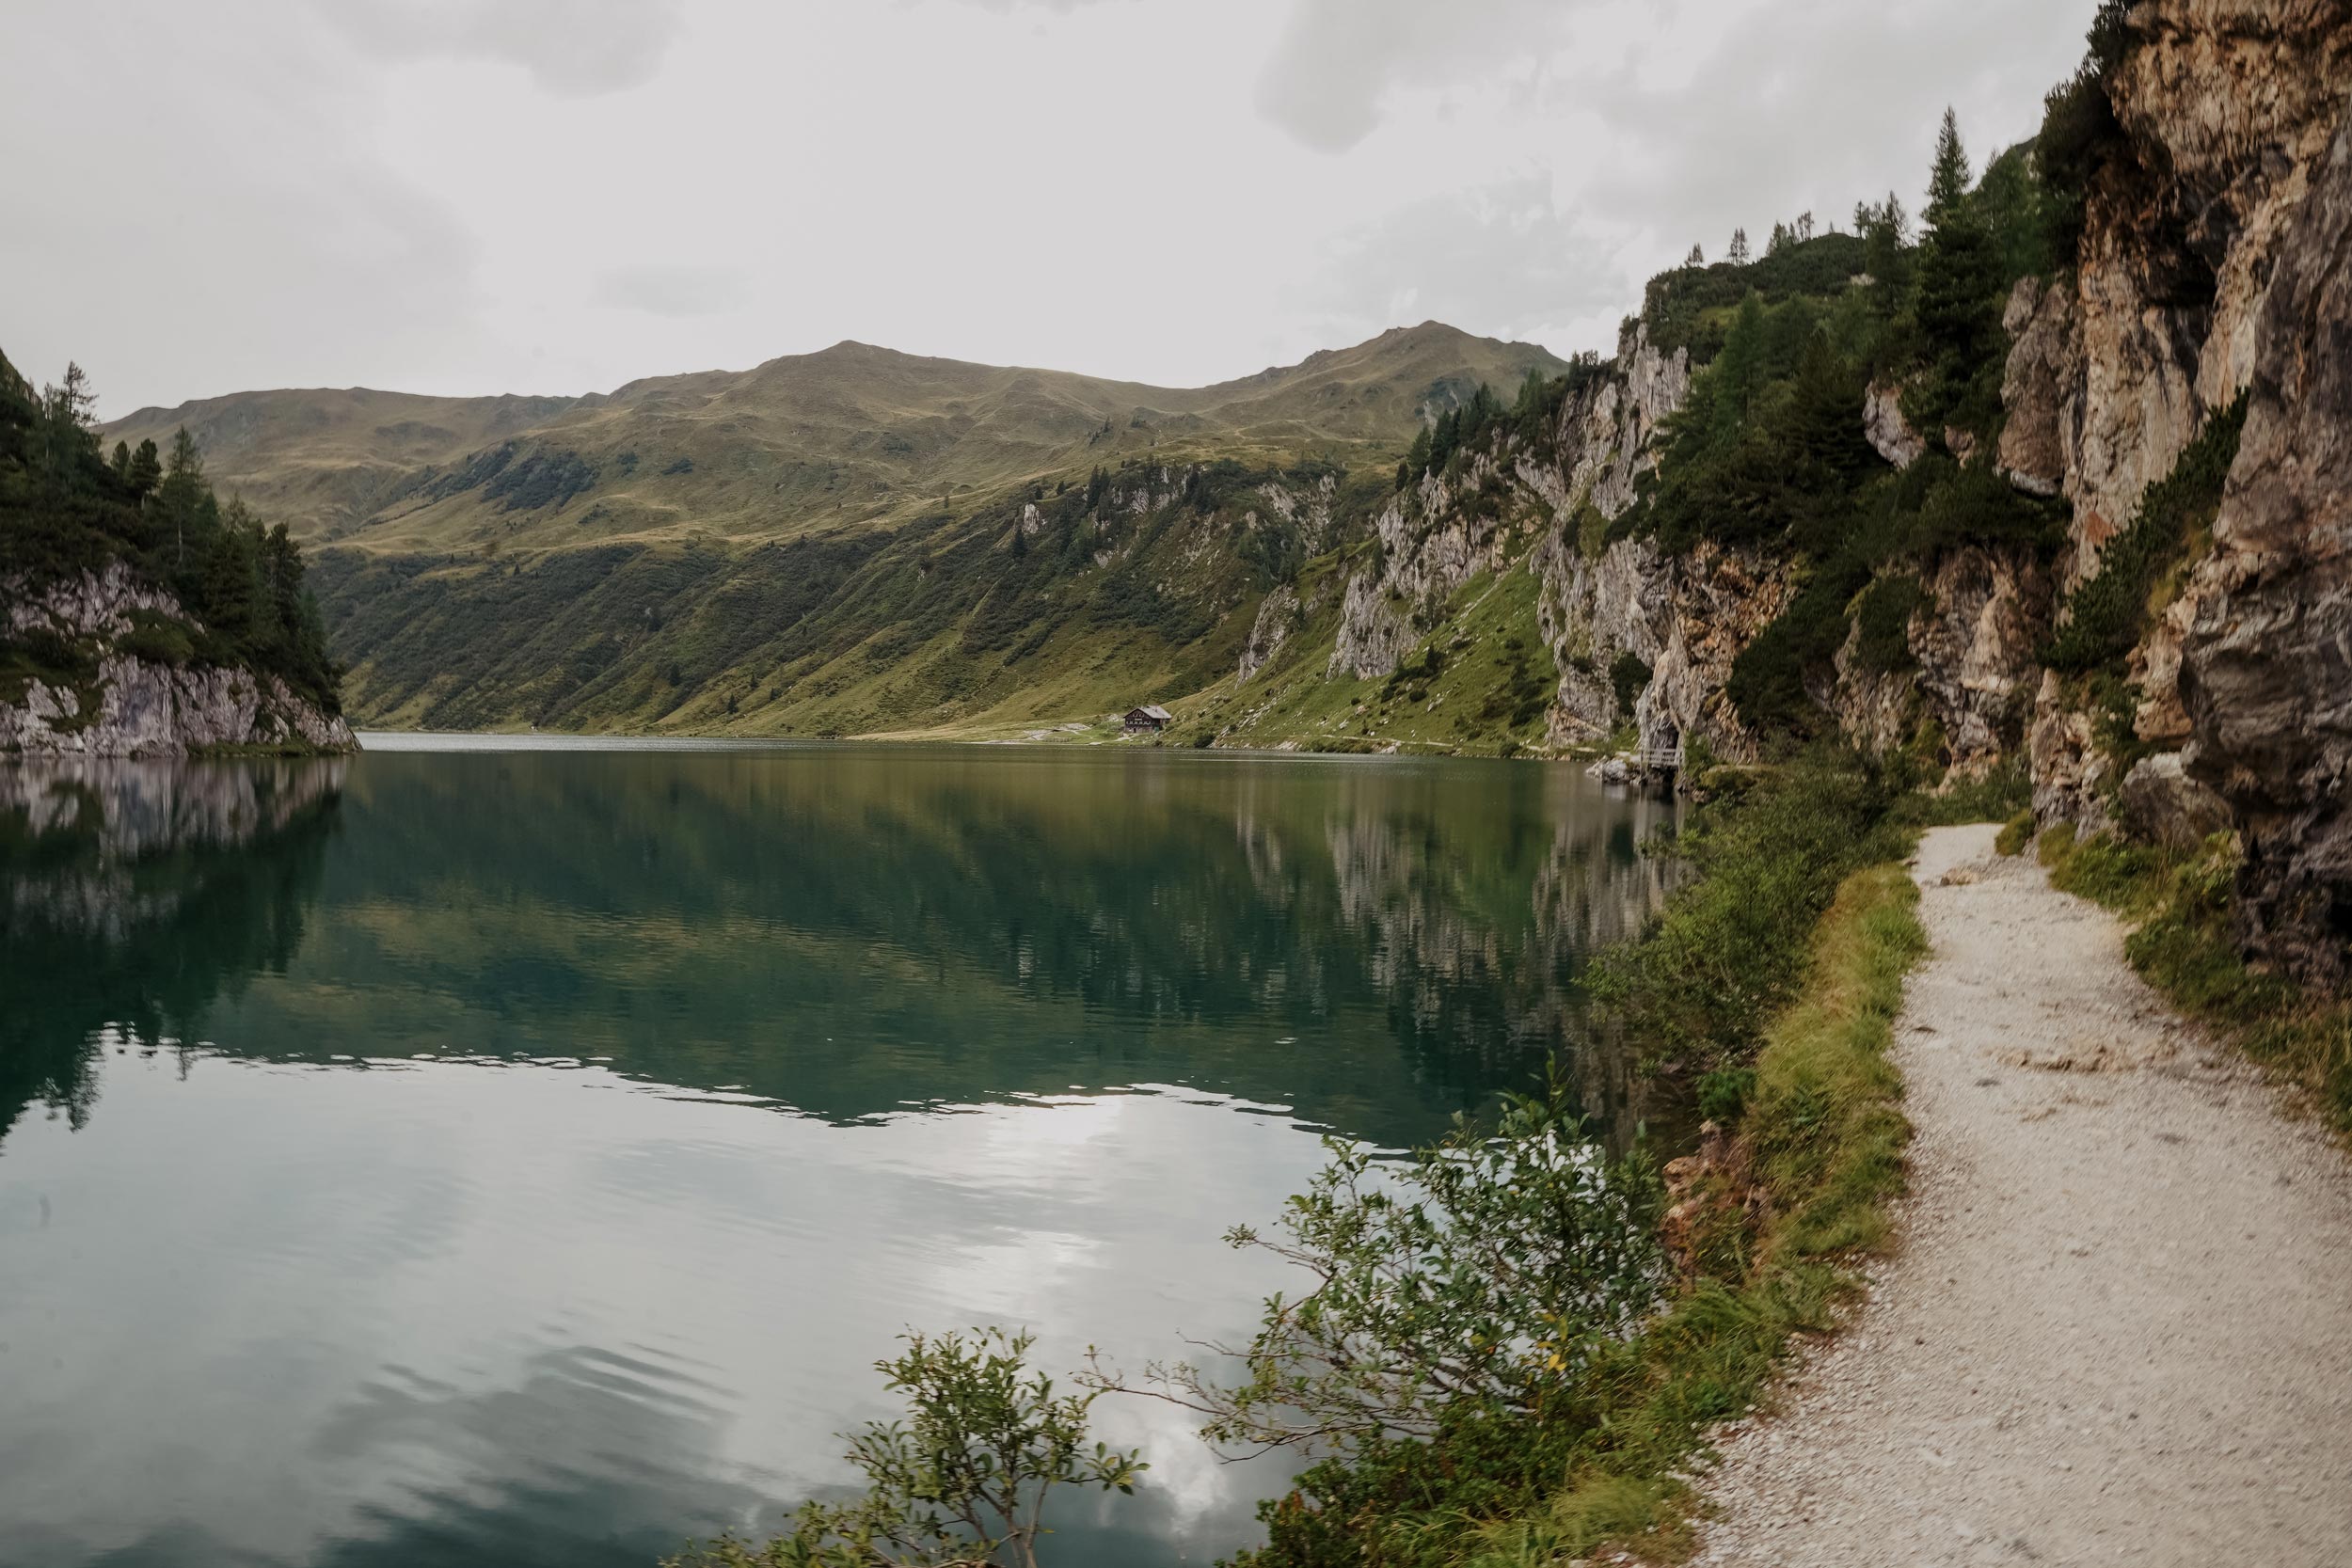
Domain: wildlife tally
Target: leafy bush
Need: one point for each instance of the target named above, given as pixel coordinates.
(1728, 950)
(2016, 834)
(1628, 677)
(963, 1483)
(1883, 623)
(1482, 1275)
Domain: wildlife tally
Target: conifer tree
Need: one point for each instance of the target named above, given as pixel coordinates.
(147, 470)
(1696, 258)
(1960, 265)
(182, 492)
(1947, 181)
(1738, 255)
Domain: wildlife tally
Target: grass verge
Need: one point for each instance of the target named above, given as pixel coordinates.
(2179, 905)
(1771, 981)
(1821, 1145)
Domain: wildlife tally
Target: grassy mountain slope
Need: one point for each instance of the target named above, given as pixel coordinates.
(856, 541)
(851, 435)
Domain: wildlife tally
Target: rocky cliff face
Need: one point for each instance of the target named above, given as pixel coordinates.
(131, 703)
(2265, 667)
(2228, 107)
(1640, 637)
(2211, 267)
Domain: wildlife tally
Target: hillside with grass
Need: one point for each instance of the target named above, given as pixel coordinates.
(850, 436)
(853, 541)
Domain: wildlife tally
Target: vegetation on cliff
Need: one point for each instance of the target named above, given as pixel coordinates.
(1770, 452)
(67, 509)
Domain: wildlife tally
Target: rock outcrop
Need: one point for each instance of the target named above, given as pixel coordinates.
(2228, 106)
(2044, 361)
(1883, 424)
(2266, 662)
(2211, 265)
(1976, 642)
(133, 704)
(1278, 616)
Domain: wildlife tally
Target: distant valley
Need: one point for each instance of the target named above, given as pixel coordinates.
(854, 541)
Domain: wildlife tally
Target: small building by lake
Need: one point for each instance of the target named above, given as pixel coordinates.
(1148, 720)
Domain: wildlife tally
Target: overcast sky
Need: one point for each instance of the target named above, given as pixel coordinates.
(559, 196)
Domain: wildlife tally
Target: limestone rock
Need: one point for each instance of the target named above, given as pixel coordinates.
(1876, 709)
(2070, 771)
(2228, 106)
(1374, 634)
(1890, 434)
(1276, 617)
(2042, 362)
(135, 706)
(1977, 647)
(2266, 662)
(1722, 598)
(2162, 804)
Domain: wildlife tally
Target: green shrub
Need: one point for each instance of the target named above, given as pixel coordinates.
(2183, 943)
(2016, 834)
(1628, 677)
(1882, 620)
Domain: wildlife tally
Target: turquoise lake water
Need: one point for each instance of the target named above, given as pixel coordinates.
(478, 1153)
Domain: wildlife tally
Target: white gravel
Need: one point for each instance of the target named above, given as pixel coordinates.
(2118, 1324)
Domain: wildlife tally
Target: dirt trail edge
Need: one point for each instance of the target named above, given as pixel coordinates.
(2118, 1326)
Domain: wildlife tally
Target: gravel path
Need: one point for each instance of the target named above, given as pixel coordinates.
(2118, 1325)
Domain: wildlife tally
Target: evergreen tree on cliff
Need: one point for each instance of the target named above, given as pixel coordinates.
(1959, 307)
(70, 509)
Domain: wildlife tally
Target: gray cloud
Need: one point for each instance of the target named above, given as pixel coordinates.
(681, 291)
(211, 223)
(1815, 104)
(1338, 60)
(572, 48)
(444, 195)
(1499, 259)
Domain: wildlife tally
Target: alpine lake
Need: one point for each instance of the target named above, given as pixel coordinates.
(509, 1152)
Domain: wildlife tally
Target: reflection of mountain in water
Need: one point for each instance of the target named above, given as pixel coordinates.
(135, 894)
(853, 930)
(849, 931)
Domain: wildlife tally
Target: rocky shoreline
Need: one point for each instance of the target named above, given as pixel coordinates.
(133, 703)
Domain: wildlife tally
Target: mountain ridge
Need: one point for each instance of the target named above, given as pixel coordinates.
(849, 434)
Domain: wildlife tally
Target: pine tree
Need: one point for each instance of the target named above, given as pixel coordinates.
(1948, 180)
(1696, 258)
(182, 492)
(147, 470)
(1804, 226)
(121, 464)
(1779, 241)
(1739, 253)
(1958, 304)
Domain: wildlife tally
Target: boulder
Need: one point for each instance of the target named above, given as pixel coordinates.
(2162, 804)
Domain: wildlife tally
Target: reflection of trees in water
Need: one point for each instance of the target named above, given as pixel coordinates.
(968, 925)
(133, 895)
(844, 931)
(1477, 960)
